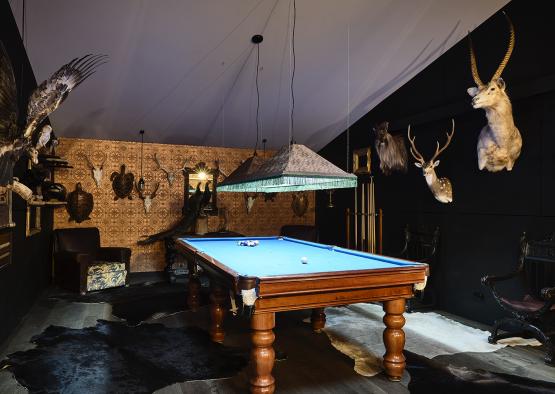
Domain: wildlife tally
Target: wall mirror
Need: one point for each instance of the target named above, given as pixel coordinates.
(201, 175)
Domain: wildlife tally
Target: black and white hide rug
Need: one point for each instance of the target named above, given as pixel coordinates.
(429, 376)
(115, 358)
(138, 303)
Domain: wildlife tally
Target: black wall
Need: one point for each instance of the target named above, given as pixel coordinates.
(30, 271)
(481, 229)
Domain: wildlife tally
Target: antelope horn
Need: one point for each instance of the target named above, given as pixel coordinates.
(153, 194)
(105, 156)
(157, 162)
(413, 151)
(505, 60)
(449, 136)
(473, 66)
(141, 195)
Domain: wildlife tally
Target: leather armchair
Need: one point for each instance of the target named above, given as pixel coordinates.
(81, 264)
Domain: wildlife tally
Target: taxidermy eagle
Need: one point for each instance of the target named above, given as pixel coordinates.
(15, 138)
(197, 202)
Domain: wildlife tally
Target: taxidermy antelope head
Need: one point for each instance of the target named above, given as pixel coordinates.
(440, 187)
(97, 171)
(391, 150)
(249, 201)
(170, 176)
(499, 142)
(147, 199)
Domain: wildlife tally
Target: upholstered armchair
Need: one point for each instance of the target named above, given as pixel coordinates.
(81, 264)
(533, 311)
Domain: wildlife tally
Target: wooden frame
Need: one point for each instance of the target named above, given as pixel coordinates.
(6, 217)
(362, 161)
(191, 180)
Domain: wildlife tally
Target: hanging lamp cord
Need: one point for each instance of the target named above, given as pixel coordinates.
(257, 97)
(142, 141)
(293, 72)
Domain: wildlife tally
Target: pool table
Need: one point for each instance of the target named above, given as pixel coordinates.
(282, 274)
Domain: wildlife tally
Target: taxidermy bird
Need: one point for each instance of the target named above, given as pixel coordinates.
(197, 202)
(16, 139)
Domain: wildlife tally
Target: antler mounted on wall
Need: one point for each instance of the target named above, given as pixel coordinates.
(170, 176)
(441, 188)
(147, 198)
(500, 142)
(97, 171)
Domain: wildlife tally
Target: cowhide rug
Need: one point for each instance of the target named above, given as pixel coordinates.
(115, 358)
(356, 330)
(138, 303)
(428, 376)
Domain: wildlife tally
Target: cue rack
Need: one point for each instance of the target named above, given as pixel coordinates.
(363, 231)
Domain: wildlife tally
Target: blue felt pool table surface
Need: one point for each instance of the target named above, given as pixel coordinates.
(280, 256)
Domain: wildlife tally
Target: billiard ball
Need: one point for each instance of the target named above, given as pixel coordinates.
(304, 260)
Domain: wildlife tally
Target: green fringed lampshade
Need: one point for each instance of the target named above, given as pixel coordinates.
(293, 168)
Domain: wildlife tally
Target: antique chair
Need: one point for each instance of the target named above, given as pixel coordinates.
(299, 231)
(533, 315)
(81, 264)
(422, 245)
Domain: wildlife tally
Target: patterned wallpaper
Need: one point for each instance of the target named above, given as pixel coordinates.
(122, 222)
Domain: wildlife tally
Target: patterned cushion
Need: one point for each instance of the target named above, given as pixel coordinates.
(106, 280)
(102, 267)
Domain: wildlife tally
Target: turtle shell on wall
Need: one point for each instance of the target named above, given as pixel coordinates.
(300, 203)
(79, 204)
(122, 183)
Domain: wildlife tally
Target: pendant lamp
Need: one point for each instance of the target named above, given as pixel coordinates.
(294, 168)
(253, 163)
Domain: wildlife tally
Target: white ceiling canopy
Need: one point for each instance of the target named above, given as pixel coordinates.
(184, 70)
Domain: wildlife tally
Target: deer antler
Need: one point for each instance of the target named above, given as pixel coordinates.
(449, 137)
(413, 151)
(509, 50)
(89, 163)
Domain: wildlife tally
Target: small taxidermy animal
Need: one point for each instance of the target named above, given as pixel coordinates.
(391, 150)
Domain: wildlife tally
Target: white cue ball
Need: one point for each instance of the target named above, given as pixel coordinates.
(304, 260)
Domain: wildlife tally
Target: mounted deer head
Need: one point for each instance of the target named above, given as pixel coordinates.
(170, 176)
(391, 150)
(147, 199)
(249, 201)
(97, 171)
(500, 142)
(440, 187)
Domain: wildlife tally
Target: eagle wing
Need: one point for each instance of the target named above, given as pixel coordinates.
(48, 96)
(8, 100)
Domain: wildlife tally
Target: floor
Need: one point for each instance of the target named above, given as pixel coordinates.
(312, 364)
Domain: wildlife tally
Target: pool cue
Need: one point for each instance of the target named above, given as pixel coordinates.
(355, 216)
(362, 217)
(371, 215)
(348, 227)
(380, 221)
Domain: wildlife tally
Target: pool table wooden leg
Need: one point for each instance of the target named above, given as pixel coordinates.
(193, 287)
(318, 319)
(394, 339)
(217, 312)
(262, 353)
